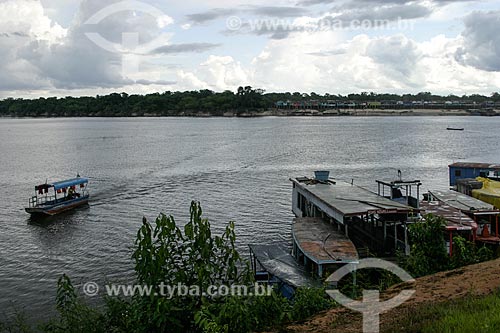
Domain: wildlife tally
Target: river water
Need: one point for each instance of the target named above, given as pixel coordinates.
(238, 168)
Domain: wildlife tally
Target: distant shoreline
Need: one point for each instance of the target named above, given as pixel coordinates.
(291, 113)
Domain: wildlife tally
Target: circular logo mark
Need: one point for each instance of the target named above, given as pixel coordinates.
(371, 307)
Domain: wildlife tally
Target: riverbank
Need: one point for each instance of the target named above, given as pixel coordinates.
(286, 113)
(369, 113)
(441, 289)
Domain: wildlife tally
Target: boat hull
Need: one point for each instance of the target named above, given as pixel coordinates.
(50, 210)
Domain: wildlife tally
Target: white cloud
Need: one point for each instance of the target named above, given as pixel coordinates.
(39, 54)
(22, 22)
(323, 62)
(217, 73)
(444, 74)
(28, 17)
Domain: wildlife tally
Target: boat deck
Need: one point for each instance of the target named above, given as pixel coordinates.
(322, 243)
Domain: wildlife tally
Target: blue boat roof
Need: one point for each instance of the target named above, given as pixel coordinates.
(69, 182)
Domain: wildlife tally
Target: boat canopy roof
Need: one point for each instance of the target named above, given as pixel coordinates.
(65, 183)
(350, 200)
(461, 201)
(70, 182)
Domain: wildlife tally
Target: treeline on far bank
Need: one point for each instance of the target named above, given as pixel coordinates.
(203, 102)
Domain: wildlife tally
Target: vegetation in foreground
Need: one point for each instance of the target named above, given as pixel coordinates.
(428, 253)
(191, 256)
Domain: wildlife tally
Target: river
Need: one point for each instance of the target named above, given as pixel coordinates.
(238, 168)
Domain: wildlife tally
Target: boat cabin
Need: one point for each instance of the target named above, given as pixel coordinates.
(402, 191)
(375, 224)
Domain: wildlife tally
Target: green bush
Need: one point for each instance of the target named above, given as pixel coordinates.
(466, 253)
(75, 316)
(309, 301)
(428, 252)
(244, 314)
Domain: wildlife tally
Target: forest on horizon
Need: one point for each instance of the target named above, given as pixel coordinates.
(244, 100)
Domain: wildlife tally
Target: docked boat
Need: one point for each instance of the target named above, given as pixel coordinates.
(371, 223)
(54, 198)
(274, 266)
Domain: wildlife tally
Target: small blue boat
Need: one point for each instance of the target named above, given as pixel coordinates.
(54, 198)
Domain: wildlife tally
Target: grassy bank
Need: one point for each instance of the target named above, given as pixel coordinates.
(469, 314)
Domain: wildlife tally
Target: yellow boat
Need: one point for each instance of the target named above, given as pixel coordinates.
(490, 192)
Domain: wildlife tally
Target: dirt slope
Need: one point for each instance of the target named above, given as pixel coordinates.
(479, 279)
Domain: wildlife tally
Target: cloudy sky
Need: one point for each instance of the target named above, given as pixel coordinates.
(89, 47)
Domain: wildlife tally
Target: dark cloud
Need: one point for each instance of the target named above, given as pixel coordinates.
(315, 2)
(397, 54)
(14, 34)
(481, 48)
(210, 15)
(185, 48)
(391, 13)
(274, 30)
(16, 73)
(80, 63)
(269, 11)
(160, 82)
(280, 11)
(361, 3)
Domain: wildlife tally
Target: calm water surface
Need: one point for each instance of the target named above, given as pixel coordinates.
(237, 168)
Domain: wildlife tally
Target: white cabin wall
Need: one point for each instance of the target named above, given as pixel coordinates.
(295, 207)
(321, 205)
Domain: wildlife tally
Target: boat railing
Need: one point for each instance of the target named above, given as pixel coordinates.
(38, 201)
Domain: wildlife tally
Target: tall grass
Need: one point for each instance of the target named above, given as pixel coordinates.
(470, 314)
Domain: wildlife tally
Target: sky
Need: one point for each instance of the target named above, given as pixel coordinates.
(95, 47)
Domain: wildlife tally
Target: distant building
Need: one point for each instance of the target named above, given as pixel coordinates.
(374, 104)
(463, 170)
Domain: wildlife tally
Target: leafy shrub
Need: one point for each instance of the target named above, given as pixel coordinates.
(428, 252)
(192, 257)
(466, 253)
(309, 301)
(244, 314)
(75, 316)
